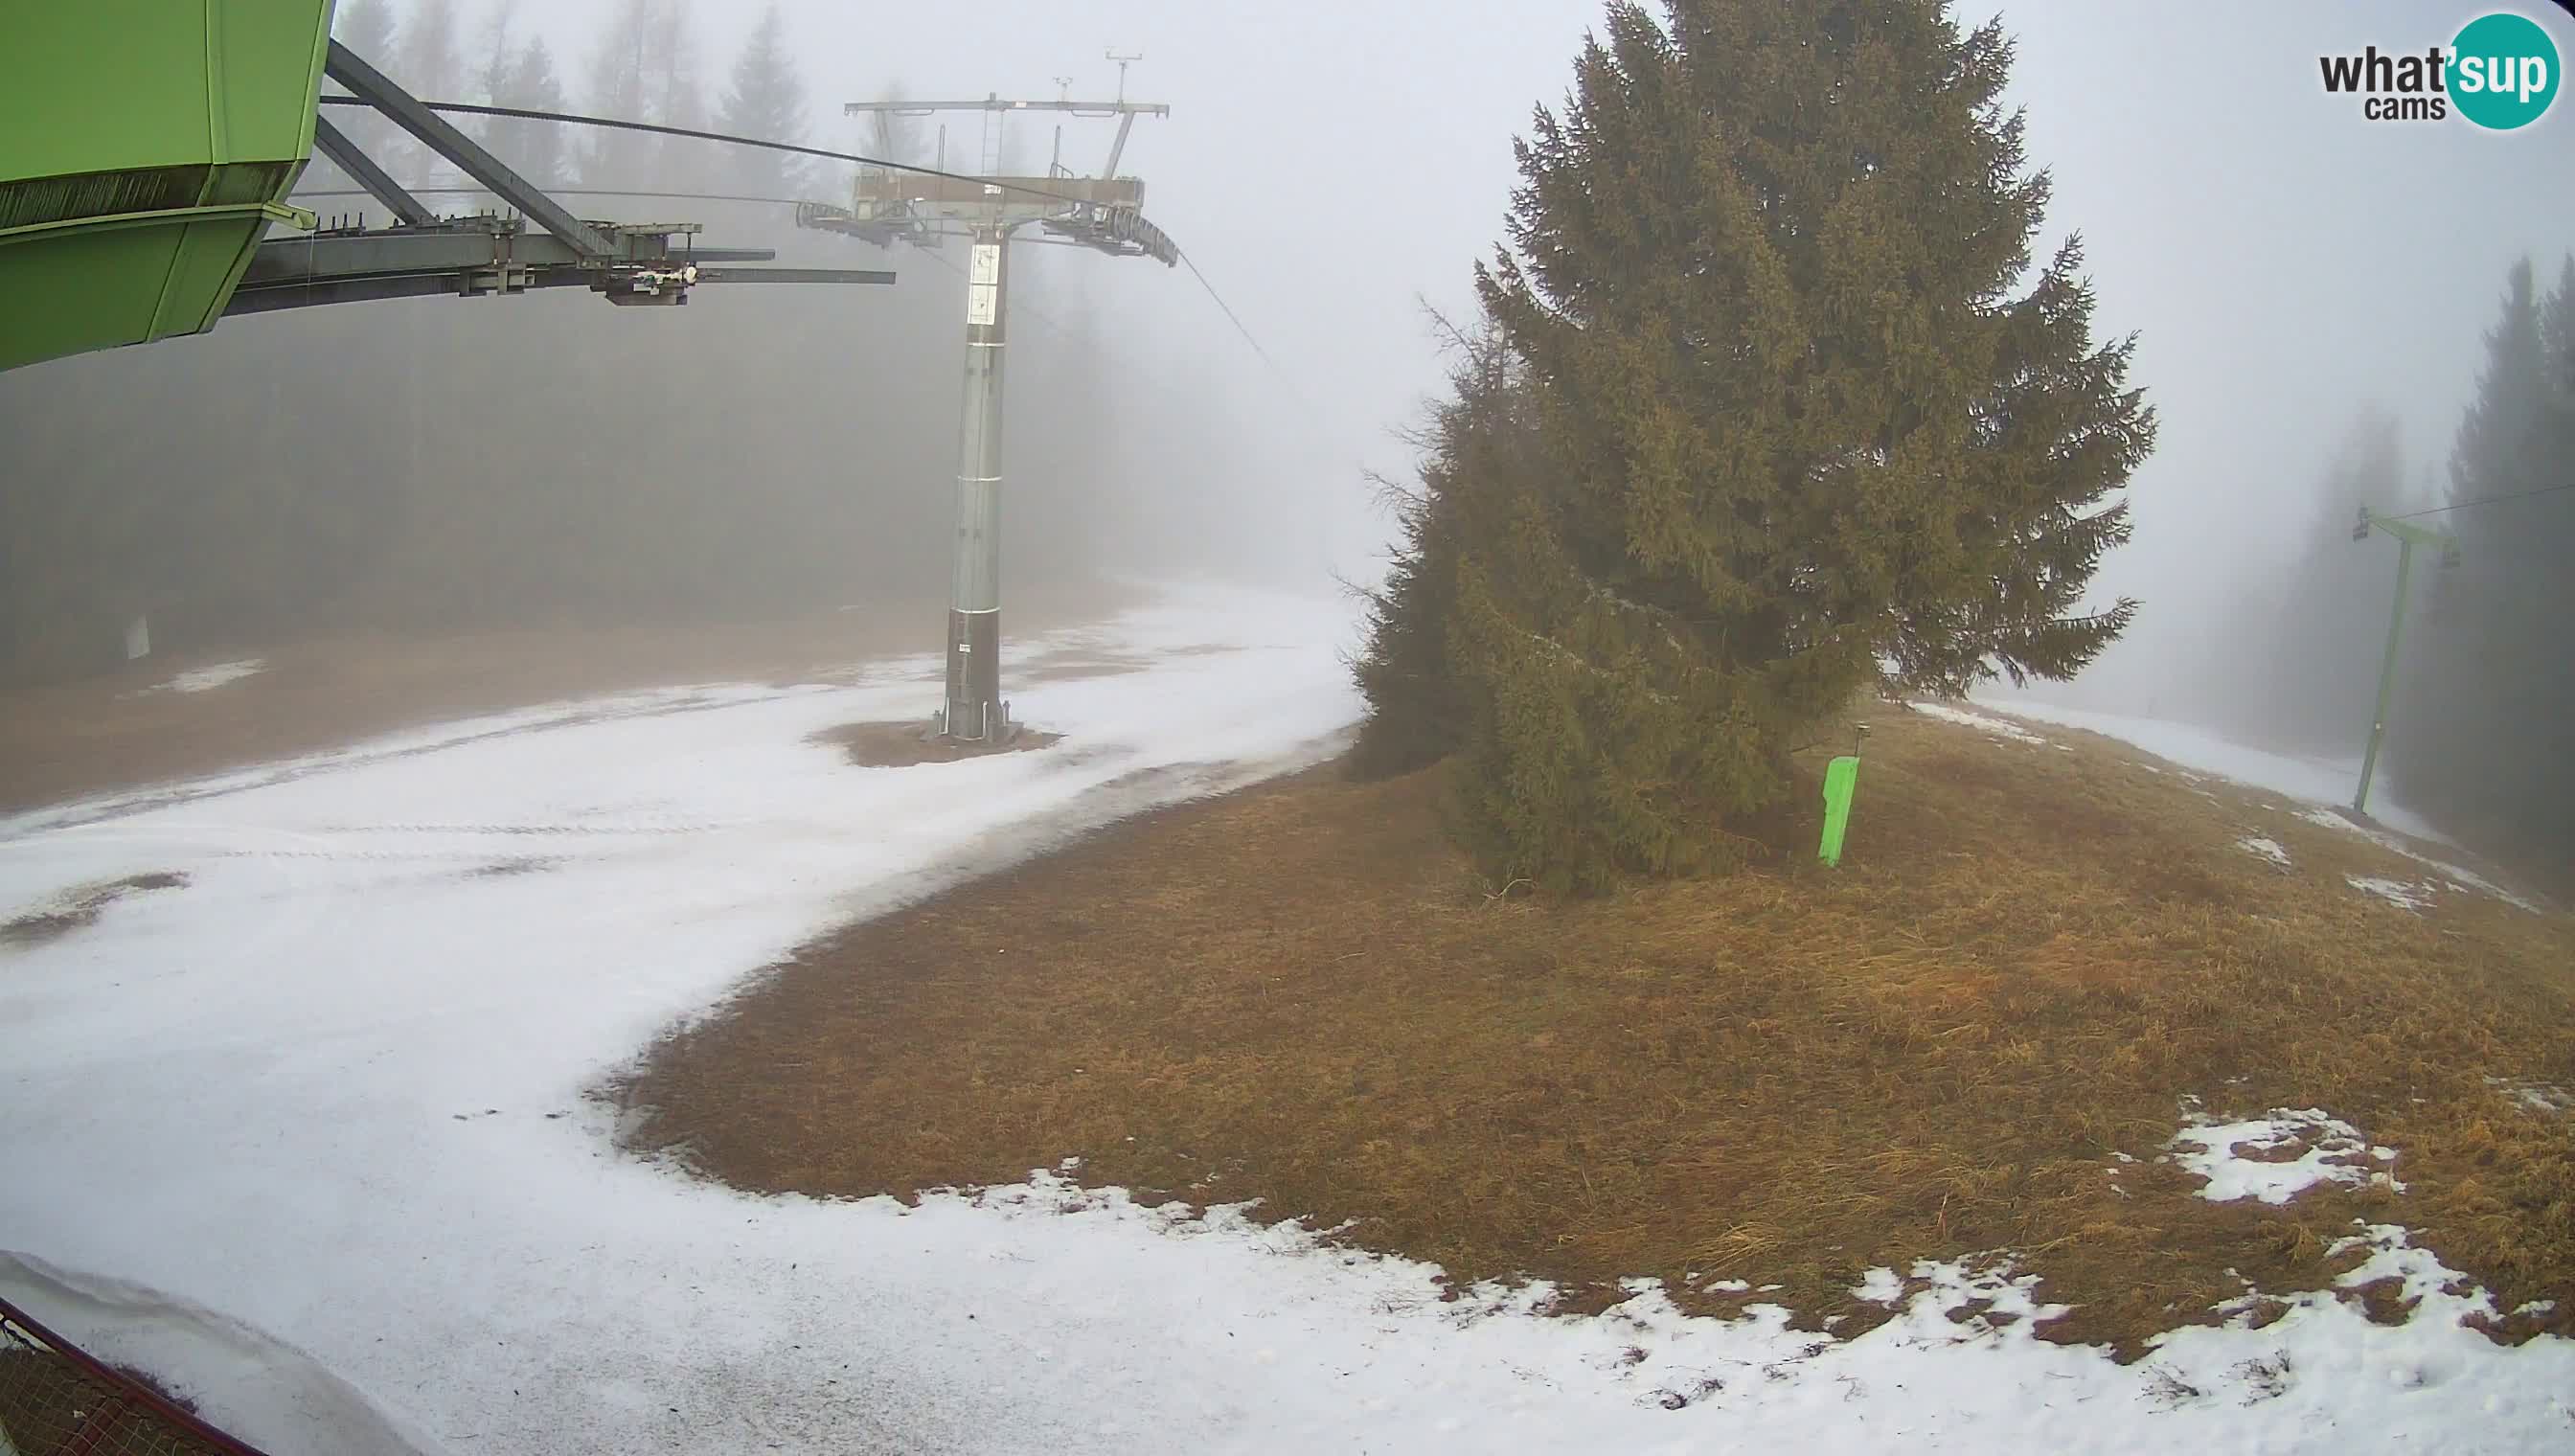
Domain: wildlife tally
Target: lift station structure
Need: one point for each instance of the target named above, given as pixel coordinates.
(149, 151)
(1103, 213)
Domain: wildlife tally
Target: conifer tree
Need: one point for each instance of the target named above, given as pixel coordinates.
(2478, 737)
(766, 100)
(1804, 417)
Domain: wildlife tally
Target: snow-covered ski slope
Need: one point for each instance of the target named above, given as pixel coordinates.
(2310, 781)
(326, 1098)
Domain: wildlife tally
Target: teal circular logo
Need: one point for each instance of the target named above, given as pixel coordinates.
(2503, 71)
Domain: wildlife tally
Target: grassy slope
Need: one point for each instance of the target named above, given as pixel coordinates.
(1788, 1075)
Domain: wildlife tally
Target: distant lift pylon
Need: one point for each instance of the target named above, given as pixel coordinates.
(1105, 213)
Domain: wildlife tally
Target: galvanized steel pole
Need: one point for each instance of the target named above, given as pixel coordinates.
(975, 711)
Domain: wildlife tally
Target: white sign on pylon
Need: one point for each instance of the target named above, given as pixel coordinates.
(984, 285)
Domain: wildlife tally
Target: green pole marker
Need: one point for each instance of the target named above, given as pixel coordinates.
(1841, 780)
(2387, 677)
(2407, 537)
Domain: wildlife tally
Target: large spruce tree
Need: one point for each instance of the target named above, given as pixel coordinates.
(1804, 416)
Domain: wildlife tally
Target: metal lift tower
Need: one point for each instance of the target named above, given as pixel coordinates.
(1105, 213)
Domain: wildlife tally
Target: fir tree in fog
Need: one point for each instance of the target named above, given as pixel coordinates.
(534, 148)
(2302, 674)
(766, 100)
(365, 27)
(894, 137)
(428, 61)
(2480, 736)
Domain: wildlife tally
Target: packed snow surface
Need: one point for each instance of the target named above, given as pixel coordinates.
(2319, 786)
(2306, 780)
(205, 679)
(1983, 723)
(325, 1102)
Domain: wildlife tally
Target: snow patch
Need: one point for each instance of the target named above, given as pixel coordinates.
(1994, 726)
(244, 1381)
(292, 1041)
(206, 680)
(2459, 879)
(1878, 1286)
(2307, 781)
(2330, 1151)
(2260, 847)
(2414, 896)
(2542, 1097)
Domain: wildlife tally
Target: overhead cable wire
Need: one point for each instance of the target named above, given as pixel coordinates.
(2486, 501)
(522, 113)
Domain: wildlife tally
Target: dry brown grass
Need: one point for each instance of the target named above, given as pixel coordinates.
(1301, 994)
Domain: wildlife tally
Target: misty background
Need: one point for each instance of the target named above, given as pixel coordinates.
(2313, 295)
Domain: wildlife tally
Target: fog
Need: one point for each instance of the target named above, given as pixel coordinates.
(2286, 264)
(1334, 169)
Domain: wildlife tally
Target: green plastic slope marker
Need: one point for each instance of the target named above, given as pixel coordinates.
(1841, 781)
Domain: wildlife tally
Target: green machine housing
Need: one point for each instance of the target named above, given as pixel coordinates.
(132, 221)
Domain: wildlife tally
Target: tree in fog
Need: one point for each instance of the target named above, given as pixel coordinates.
(534, 148)
(894, 137)
(365, 27)
(428, 61)
(765, 99)
(677, 98)
(495, 53)
(1486, 431)
(629, 73)
(1803, 409)
(2305, 674)
(2479, 736)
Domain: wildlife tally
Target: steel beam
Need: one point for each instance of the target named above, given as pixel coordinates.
(794, 274)
(271, 298)
(996, 103)
(476, 256)
(362, 169)
(436, 133)
(469, 245)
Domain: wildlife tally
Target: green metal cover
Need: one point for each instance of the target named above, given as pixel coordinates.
(145, 147)
(1841, 781)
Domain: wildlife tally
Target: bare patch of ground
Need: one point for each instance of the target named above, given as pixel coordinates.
(334, 689)
(1977, 1035)
(903, 744)
(79, 909)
